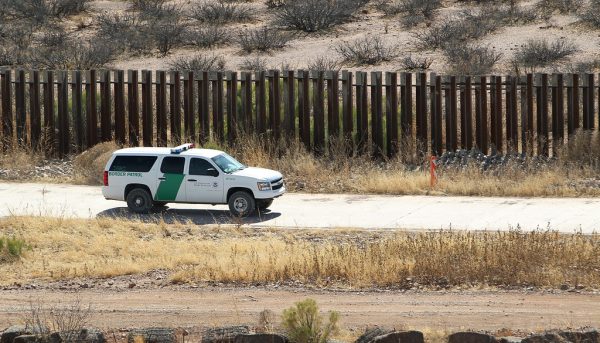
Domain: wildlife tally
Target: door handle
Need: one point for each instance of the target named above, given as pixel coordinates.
(162, 178)
(192, 180)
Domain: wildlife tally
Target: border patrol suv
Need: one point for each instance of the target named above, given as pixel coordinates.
(153, 177)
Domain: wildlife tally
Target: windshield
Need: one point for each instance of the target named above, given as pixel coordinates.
(227, 163)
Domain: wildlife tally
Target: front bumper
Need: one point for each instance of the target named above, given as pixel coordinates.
(271, 194)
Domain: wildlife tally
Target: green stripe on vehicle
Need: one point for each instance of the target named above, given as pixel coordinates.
(169, 187)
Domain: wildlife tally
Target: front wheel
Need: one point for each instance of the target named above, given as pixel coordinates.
(139, 201)
(264, 204)
(241, 204)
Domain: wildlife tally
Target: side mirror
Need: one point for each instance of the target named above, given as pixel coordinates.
(212, 172)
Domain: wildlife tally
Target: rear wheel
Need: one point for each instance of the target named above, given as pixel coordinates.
(241, 204)
(264, 204)
(139, 201)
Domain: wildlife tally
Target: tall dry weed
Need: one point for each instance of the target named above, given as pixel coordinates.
(89, 165)
(70, 248)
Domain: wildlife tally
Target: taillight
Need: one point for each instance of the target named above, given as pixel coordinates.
(106, 178)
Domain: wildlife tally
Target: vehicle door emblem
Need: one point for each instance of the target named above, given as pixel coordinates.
(215, 185)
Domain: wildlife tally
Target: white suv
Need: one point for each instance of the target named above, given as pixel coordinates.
(153, 177)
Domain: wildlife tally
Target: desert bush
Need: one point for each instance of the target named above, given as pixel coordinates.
(274, 3)
(366, 51)
(144, 5)
(541, 53)
(415, 11)
(157, 10)
(583, 148)
(445, 33)
(127, 32)
(581, 67)
(19, 35)
(316, 15)
(512, 14)
(11, 56)
(471, 24)
(167, 34)
(263, 39)
(255, 63)
(69, 319)
(53, 37)
(410, 63)
(88, 167)
(36, 12)
(207, 36)
(304, 324)
(65, 8)
(39, 12)
(323, 63)
(199, 62)
(220, 12)
(547, 7)
(590, 15)
(76, 54)
(471, 59)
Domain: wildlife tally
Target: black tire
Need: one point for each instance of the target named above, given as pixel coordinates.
(263, 204)
(241, 204)
(139, 201)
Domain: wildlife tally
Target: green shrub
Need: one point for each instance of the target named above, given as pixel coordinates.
(12, 247)
(304, 324)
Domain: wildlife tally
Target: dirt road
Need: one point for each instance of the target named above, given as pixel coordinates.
(487, 310)
(328, 210)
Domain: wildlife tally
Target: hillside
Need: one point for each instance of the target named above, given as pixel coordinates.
(478, 37)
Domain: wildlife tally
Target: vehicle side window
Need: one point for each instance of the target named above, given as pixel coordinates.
(172, 165)
(200, 166)
(139, 164)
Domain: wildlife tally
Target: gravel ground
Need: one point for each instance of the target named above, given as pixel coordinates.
(48, 169)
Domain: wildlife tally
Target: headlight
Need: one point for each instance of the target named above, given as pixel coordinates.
(264, 186)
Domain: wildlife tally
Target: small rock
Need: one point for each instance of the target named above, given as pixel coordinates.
(471, 337)
(403, 337)
(27, 339)
(545, 338)
(260, 338)
(153, 335)
(224, 334)
(131, 285)
(510, 339)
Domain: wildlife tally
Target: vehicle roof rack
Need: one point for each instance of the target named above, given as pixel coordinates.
(181, 148)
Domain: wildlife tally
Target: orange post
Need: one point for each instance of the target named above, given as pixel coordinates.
(432, 172)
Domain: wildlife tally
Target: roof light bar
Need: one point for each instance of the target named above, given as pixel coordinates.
(182, 148)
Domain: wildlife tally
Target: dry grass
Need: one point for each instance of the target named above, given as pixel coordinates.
(405, 174)
(574, 173)
(69, 248)
(88, 166)
(21, 160)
